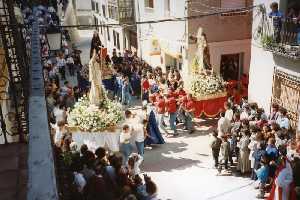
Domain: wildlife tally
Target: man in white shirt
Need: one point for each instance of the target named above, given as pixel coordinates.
(228, 112)
(61, 64)
(129, 120)
(139, 137)
(223, 125)
(246, 112)
(282, 119)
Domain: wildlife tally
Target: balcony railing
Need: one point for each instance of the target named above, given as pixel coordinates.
(283, 38)
(126, 11)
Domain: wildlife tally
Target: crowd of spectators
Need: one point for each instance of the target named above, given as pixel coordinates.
(263, 146)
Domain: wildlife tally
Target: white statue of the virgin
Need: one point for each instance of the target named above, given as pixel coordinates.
(96, 95)
(200, 59)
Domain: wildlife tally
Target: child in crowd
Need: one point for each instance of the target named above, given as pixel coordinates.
(126, 147)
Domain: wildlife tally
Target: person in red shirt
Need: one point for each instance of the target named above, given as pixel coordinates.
(145, 88)
(189, 109)
(171, 106)
(160, 105)
(172, 93)
(180, 92)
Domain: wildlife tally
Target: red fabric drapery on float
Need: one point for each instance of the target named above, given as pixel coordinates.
(210, 107)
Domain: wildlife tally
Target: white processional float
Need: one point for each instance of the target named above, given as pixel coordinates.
(95, 119)
(205, 84)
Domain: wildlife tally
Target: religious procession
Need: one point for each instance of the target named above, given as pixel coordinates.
(183, 105)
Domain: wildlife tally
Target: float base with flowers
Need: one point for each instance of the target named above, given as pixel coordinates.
(96, 126)
(209, 92)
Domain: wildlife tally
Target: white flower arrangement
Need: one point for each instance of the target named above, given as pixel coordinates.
(204, 85)
(92, 118)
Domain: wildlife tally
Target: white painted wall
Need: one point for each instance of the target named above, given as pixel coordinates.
(170, 33)
(83, 4)
(261, 67)
(261, 77)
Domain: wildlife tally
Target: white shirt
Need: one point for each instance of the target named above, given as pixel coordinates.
(283, 122)
(58, 134)
(60, 62)
(59, 114)
(139, 132)
(244, 115)
(70, 60)
(229, 114)
(130, 122)
(223, 126)
(125, 137)
(136, 169)
(79, 181)
(66, 51)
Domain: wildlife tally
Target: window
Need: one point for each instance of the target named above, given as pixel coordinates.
(113, 12)
(108, 36)
(116, 37)
(101, 28)
(97, 7)
(118, 40)
(149, 3)
(96, 23)
(103, 10)
(167, 7)
(125, 42)
(93, 5)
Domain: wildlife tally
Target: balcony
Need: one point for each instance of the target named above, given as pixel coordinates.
(126, 11)
(284, 39)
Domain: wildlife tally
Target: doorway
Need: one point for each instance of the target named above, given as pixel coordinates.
(231, 66)
(170, 62)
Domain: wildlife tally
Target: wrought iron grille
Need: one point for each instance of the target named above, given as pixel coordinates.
(16, 60)
(286, 93)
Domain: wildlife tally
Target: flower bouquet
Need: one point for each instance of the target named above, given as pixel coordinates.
(204, 86)
(92, 118)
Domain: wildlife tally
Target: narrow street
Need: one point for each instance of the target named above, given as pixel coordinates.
(182, 168)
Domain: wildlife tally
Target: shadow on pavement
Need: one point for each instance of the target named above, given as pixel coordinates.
(159, 158)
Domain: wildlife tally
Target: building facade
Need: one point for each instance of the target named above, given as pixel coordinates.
(111, 13)
(161, 44)
(228, 36)
(274, 75)
(83, 11)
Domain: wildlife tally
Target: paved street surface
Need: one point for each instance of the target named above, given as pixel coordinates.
(182, 168)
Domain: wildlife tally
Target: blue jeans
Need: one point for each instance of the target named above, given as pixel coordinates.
(118, 94)
(126, 97)
(126, 150)
(172, 121)
(140, 148)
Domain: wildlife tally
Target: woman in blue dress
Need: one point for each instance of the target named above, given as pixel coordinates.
(155, 136)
